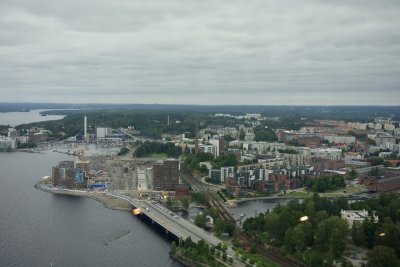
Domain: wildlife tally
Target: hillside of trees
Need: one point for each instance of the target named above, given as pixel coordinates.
(148, 148)
(263, 134)
(323, 238)
(151, 120)
(326, 183)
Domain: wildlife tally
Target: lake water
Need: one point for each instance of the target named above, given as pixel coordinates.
(253, 207)
(42, 229)
(16, 118)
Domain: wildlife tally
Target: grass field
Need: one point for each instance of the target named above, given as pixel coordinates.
(350, 189)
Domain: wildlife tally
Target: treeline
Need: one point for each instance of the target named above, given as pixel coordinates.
(148, 148)
(201, 253)
(220, 226)
(322, 239)
(288, 151)
(382, 237)
(264, 134)
(150, 123)
(198, 197)
(375, 161)
(225, 161)
(26, 145)
(193, 161)
(325, 183)
(123, 151)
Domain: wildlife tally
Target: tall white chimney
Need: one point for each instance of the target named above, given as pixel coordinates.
(85, 128)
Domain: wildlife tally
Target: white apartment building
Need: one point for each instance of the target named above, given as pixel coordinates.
(327, 153)
(7, 143)
(215, 143)
(263, 147)
(12, 133)
(209, 149)
(264, 174)
(226, 172)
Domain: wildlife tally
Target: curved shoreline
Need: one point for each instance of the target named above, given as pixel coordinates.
(108, 201)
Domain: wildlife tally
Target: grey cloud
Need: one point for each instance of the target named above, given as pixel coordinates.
(261, 52)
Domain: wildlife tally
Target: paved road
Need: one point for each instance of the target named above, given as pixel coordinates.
(170, 221)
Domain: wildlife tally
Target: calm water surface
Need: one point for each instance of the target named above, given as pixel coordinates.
(42, 229)
(16, 118)
(253, 207)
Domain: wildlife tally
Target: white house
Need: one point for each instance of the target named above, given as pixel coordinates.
(352, 216)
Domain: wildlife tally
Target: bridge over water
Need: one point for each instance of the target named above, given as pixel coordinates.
(169, 221)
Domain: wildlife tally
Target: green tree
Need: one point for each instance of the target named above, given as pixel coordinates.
(331, 234)
(253, 249)
(221, 226)
(391, 236)
(357, 234)
(299, 237)
(314, 259)
(353, 174)
(224, 256)
(263, 134)
(170, 202)
(242, 134)
(223, 161)
(381, 256)
(185, 202)
(200, 220)
(173, 247)
(198, 197)
(123, 151)
(369, 229)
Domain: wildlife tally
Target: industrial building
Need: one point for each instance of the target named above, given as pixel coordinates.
(102, 132)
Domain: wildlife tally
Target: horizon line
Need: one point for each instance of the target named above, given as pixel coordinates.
(213, 105)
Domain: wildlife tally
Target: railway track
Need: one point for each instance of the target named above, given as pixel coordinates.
(214, 202)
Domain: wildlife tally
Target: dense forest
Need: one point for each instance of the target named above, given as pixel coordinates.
(151, 120)
(325, 183)
(357, 113)
(148, 148)
(323, 238)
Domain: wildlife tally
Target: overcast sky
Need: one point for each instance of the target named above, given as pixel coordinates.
(200, 52)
